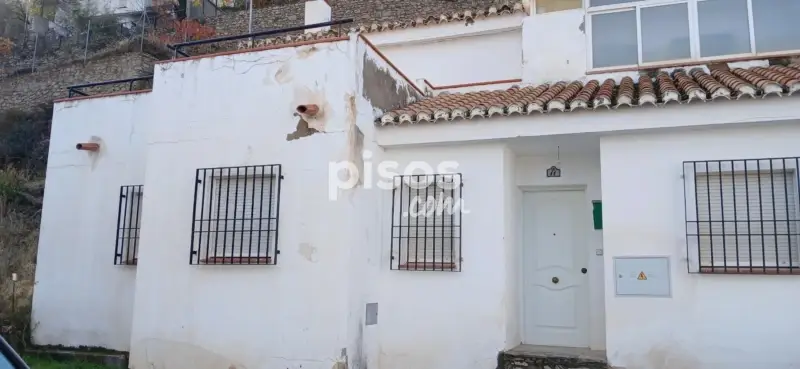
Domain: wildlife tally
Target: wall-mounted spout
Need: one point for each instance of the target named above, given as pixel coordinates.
(308, 110)
(88, 146)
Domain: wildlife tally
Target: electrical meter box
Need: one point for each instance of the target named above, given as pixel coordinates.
(646, 276)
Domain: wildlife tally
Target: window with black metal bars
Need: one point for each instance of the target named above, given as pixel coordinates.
(236, 211)
(742, 216)
(426, 222)
(129, 217)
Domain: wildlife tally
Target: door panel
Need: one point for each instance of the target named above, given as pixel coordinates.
(556, 311)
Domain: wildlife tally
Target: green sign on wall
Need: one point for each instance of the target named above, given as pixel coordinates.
(597, 214)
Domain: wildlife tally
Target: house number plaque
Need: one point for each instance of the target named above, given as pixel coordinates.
(553, 171)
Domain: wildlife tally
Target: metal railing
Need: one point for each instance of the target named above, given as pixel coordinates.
(426, 222)
(235, 215)
(742, 216)
(177, 47)
(73, 90)
(129, 217)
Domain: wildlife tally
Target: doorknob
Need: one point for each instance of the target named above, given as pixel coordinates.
(583, 270)
(555, 279)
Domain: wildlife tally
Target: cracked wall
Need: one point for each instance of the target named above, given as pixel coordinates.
(239, 110)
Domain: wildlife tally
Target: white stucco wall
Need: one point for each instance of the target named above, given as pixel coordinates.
(512, 238)
(449, 319)
(711, 321)
(81, 298)
(554, 47)
(237, 110)
(584, 171)
(465, 59)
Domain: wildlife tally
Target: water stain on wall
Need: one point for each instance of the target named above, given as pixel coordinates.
(94, 157)
(166, 354)
(307, 251)
(382, 89)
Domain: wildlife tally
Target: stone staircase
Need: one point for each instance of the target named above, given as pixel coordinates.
(547, 357)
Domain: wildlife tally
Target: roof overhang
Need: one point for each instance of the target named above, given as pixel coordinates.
(696, 114)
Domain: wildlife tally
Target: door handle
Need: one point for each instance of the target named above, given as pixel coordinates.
(583, 270)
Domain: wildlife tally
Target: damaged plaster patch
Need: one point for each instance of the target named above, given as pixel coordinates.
(95, 156)
(302, 130)
(307, 251)
(355, 142)
(342, 363)
(384, 91)
(166, 354)
(283, 74)
(305, 52)
(356, 154)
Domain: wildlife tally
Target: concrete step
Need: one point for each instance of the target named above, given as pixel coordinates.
(552, 357)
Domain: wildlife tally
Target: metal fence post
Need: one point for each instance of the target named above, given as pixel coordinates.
(144, 27)
(250, 20)
(13, 292)
(35, 46)
(86, 45)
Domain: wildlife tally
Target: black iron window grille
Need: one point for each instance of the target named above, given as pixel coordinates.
(426, 222)
(742, 216)
(236, 215)
(129, 217)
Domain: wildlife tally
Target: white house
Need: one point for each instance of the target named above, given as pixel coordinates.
(625, 175)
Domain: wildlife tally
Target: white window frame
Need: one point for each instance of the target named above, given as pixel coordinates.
(272, 197)
(738, 168)
(694, 36)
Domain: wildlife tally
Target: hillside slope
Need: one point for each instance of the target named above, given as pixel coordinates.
(23, 158)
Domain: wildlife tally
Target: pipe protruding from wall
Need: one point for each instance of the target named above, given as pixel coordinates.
(308, 110)
(88, 146)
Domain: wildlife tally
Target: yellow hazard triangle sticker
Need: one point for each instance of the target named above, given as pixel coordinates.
(642, 276)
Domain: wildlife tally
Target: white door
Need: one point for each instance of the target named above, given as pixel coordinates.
(556, 311)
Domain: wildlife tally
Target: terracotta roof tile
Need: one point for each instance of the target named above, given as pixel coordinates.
(468, 15)
(502, 8)
(678, 87)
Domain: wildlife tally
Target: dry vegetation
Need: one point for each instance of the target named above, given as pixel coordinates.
(23, 155)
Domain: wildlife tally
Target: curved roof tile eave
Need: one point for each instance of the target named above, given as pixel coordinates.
(678, 88)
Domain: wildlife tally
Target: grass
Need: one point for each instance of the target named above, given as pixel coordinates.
(38, 362)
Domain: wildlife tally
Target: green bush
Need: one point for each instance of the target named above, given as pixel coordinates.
(23, 158)
(24, 138)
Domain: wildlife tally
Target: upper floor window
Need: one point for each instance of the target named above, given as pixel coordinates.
(628, 33)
